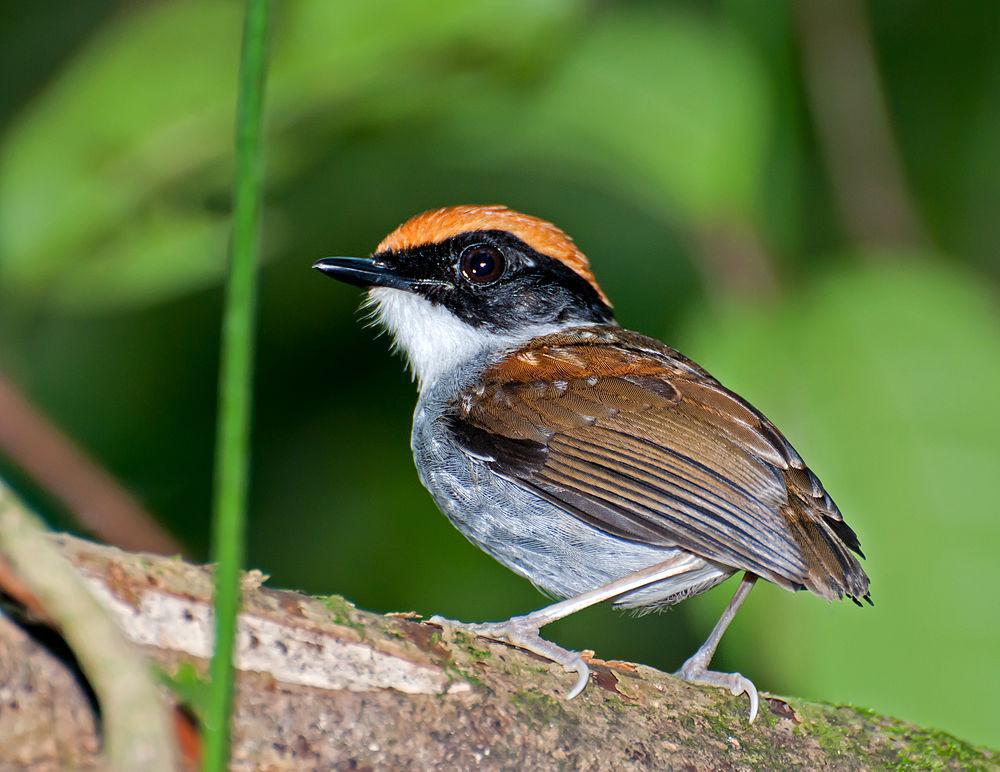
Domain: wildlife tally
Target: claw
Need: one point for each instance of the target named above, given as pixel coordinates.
(745, 686)
(582, 679)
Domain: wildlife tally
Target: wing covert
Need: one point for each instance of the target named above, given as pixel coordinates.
(638, 441)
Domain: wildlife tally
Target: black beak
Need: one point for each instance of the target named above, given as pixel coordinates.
(361, 272)
(367, 272)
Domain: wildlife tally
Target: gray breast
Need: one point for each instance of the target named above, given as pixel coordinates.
(560, 554)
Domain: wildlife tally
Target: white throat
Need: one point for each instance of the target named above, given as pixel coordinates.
(435, 340)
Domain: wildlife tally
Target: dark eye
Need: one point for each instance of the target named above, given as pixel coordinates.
(482, 263)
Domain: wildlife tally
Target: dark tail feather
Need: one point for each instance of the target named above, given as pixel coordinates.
(833, 571)
(846, 534)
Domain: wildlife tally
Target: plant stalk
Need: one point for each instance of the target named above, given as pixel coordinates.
(235, 392)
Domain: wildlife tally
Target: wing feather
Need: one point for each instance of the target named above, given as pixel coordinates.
(638, 441)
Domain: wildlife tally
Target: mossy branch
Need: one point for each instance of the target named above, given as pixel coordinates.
(324, 685)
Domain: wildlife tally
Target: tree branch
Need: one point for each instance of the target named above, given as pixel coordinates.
(322, 685)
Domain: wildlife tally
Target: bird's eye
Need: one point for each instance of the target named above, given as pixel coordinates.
(482, 263)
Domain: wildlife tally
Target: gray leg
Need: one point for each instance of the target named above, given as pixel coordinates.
(696, 671)
(523, 632)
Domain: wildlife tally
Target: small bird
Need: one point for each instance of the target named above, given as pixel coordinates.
(596, 462)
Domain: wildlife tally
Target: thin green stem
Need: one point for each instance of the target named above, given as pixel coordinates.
(232, 441)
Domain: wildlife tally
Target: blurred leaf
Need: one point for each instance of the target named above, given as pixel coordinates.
(886, 380)
(106, 180)
(158, 253)
(669, 105)
(137, 109)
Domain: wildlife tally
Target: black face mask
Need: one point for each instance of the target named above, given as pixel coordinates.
(493, 280)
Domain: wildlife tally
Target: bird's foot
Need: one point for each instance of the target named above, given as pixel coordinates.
(523, 632)
(694, 672)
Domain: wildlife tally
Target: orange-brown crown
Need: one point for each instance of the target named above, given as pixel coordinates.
(545, 238)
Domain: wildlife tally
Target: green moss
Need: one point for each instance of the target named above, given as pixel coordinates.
(839, 732)
(932, 749)
(393, 631)
(341, 612)
(467, 643)
(765, 716)
(475, 652)
(539, 709)
(749, 745)
(457, 673)
(719, 721)
(832, 739)
(615, 702)
(887, 743)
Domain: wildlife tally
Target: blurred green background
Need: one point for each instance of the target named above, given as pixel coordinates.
(803, 196)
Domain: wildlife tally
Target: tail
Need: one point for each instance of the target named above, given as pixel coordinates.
(827, 547)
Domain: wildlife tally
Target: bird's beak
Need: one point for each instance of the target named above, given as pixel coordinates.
(362, 272)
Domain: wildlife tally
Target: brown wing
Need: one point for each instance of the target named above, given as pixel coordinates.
(637, 440)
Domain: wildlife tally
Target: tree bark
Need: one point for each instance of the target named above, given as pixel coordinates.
(323, 685)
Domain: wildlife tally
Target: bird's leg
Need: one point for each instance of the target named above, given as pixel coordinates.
(696, 671)
(523, 631)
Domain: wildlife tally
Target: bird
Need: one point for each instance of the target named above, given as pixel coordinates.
(596, 462)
